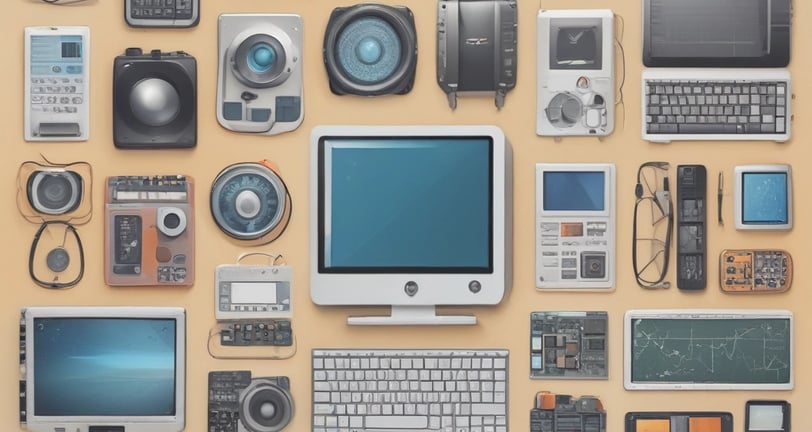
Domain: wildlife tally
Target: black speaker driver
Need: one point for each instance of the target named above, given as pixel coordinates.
(249, 201)
(266, 405)
(370, 50)
(54, 192)
(154, 100)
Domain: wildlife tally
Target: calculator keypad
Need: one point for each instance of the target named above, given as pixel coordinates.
(57, 95)
(161, 9)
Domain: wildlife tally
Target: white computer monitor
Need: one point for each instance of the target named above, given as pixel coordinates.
(102, 368)
(762, 198)
(412, 217)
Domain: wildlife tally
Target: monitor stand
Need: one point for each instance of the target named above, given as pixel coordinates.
(413, 315)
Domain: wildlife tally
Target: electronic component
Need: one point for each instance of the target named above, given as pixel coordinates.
(563, 413)
(691, 212)
(762, 197)
(442, 239)
(569, 345)
(162, 13)
(252, 291)
(57, 77)
(239, 403)
(370, 49)
(121, 368)
(679, 421)
(250, 333)
(479, 378)
(149, 231)
(755, 270)
(575, 226)
(250, 202)
(259, 73)
(154, 100)
(767, 416)
(576, 72)
(476, 48)
(689, 349)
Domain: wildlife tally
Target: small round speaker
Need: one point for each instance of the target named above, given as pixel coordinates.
(249, 201)
(265, 406)
(171, 221)
(370, 50)
(54, 192)
(564, 110)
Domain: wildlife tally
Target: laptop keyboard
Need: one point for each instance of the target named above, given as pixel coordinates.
(716, 107)
(426, 390)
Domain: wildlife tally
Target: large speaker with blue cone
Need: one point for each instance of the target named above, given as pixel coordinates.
(250, 202)
(370, 50)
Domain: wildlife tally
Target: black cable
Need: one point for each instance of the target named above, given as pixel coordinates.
(669, 214)
(32, 253)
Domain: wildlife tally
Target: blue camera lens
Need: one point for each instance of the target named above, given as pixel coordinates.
(261, 58)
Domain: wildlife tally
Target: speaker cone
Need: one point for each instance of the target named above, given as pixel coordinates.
(371, 50)
(249, 201)
(564, 110)
(265, 406)
(154, 100)
(54, 192)
(260, 61)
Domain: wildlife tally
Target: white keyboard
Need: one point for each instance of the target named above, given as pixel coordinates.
(716, 104)
(393, 390)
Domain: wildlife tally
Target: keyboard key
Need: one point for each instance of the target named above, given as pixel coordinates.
(396, 422)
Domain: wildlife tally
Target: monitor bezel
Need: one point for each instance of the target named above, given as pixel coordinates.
(688, 314)
(341, 288)
(738, 196)
(608, 171)
(169, 423)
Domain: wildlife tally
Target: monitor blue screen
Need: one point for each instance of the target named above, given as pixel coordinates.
(104, 367)
(574, 191)
(764, 198)
(412, 204)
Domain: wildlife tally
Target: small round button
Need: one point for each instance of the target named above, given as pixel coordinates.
(411, 288)
(474, 286)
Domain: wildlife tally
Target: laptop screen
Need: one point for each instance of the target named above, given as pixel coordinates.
(719, 33)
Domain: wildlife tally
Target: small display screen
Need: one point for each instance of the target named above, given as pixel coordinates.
(56, 55)
(709, 28)
(253, 293)
(574, 191)
(407, 204)
(577, 46)
(104, 367)
(765, 198)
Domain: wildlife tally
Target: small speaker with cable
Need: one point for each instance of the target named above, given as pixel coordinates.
(154, 100)
(371, 50)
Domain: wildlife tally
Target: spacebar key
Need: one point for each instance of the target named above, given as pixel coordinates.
(396, 422)
(706, 128)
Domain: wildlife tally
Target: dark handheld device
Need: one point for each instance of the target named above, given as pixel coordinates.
(691, 227)
(162, 13)
(476, 48)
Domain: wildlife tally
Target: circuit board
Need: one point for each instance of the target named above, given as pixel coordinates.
(568, 345)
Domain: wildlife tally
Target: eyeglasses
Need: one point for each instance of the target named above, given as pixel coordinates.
(653, 225)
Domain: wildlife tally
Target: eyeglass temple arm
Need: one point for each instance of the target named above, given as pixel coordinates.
(663, 198)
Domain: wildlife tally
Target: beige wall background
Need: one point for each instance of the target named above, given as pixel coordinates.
(505, 325)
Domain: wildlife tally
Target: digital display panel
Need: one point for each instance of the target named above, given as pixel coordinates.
(574, 191)
(709, 28)
(104, 367)
(765, 198)
(407, 204)
(56, 55)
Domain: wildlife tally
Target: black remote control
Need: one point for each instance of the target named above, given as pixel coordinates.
(691, 212)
